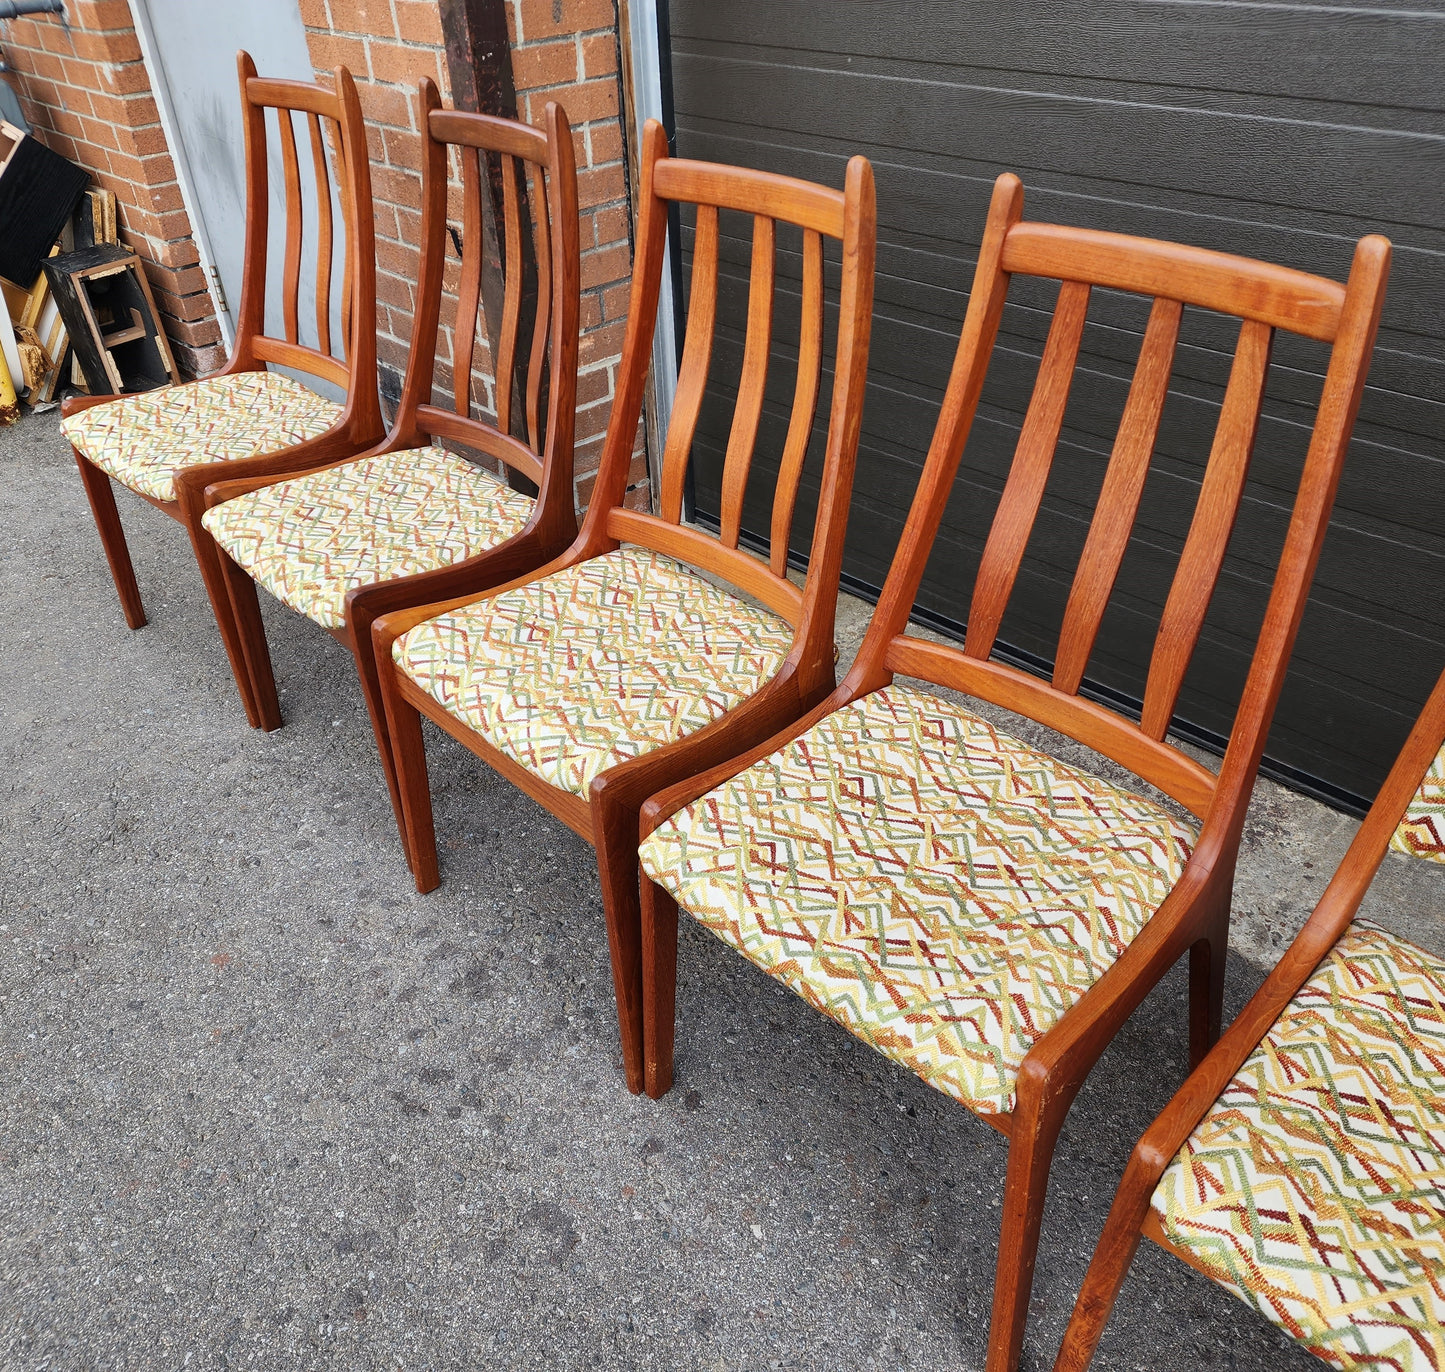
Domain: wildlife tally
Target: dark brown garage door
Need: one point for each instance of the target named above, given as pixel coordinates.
(1272, 130)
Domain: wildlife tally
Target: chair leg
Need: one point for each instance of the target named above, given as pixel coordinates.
(615, 836)
(208, 559)
(659, 986)
(1107, 1270)
(99, 493)
(1031, 1151)
(250, 631)
(413, 789)
(359, 627)
(1208, 958)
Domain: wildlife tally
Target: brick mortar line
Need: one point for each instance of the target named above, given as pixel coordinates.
(575, 37)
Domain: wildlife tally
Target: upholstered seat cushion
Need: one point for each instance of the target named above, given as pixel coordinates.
(312, 539)
(1422, 832)
(1315, 1186)
(144, 440)
(614, 657)
(943, 891)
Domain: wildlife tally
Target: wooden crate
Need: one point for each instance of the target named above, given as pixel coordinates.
(105, 302)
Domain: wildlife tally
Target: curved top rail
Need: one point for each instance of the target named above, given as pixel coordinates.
(1279, 296)
(753, 192)
(489, 133)
(293, 95)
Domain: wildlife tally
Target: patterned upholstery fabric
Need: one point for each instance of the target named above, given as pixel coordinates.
(311, 540)
(1422, 831)
(144, 440)
(576, 672)
(943, 891)
(1315, 1186)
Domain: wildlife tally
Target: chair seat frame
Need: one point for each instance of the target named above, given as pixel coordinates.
(1194, 917)
(359, 426)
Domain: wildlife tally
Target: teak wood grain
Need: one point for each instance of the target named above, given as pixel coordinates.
(754, 380)
(1194, 917)
(1023, 492)
(1130, 1215)
(324, 235)
(291, 278)
(692, 372)
(1119, 499)
(1208, 537)
(805, 401)
(610, 814)
(359, 425)
(546, 158)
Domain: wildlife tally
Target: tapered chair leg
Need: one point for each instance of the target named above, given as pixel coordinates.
(101, 495)
(1031, 1149)
(408, 752)
(359, 627)
(208, 558)
(414, 787)
(250, 630)
(1107, 1270)
(1208, 958)
(659, 987)
(615, 824)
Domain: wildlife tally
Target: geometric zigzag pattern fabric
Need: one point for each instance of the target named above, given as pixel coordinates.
(1422, 831)
(573, 673)
(144, 440)
(943, 891)
(311, 540)
(1315, 1186)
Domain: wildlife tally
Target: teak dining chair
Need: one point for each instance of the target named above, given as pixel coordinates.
(411, 522)
(969, 906)
(1301, 1163)
(168, 445)
(618, 668)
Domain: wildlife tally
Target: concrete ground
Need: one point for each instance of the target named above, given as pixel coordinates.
(265, 1107)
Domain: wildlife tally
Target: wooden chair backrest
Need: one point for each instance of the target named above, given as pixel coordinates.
(539, 184)
(336, 138)
(1408, 815)
(1398, 799)
(1264, 298)
(847, 216)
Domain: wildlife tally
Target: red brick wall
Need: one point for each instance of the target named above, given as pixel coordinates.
(568, 53)
(362, 35)
(87, 96)
(86, 91)
(388, 45)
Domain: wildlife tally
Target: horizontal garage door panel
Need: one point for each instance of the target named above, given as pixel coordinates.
(1256, 129)
(1348, 56)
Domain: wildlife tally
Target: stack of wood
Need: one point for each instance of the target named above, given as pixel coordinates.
(73, 297)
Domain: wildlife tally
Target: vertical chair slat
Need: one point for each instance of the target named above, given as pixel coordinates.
(696, 355)
(743, 436)
(1119, 499)
(1209, 531)
(1024, 489)
(469, 293)
(512, 293)
(323, 234)
(805, 401)
(347, 250)
(291, 275)
(542, 247)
